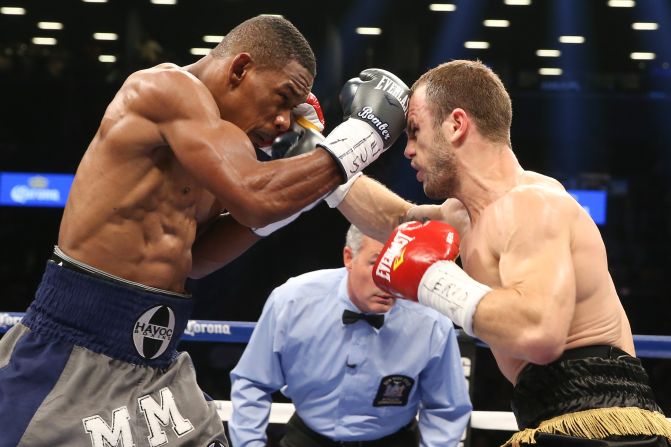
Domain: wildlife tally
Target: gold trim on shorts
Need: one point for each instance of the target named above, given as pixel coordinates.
(598, 423)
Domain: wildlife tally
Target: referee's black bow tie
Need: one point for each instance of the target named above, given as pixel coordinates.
(349, 317)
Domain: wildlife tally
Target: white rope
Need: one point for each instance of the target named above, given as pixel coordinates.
(281, 412)
(483, 420)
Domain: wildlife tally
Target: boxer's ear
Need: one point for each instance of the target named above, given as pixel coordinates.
(456, 126)
(239, 68)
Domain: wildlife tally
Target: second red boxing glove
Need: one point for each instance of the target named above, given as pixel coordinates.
(308, 115)
(411, 249)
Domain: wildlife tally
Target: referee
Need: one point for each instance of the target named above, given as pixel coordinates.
(358, 366)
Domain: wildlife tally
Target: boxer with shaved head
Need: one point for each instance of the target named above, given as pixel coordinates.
(172, 164)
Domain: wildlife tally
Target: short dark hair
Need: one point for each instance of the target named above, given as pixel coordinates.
(474, 87)
(271, 41)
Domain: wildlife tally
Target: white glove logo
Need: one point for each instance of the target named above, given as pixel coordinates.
(367, 114)
(392, 253)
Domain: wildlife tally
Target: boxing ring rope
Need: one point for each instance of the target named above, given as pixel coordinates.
(647, 346)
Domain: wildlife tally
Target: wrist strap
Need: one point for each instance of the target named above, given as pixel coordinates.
(272, 227)
(354, 145)
(448, 289)
(338, 194)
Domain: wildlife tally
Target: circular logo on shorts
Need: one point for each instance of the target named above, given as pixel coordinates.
(216, 444)
(153, 331)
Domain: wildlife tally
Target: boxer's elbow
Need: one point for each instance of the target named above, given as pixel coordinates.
(202, 266)
(197, 272)
(253, 218)
(542, 331)
(254, 211)
(542, 345)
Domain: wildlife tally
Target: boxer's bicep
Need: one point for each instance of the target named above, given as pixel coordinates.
(215, 152)
(535, 261)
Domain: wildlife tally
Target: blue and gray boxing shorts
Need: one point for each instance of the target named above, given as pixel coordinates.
(93, 363)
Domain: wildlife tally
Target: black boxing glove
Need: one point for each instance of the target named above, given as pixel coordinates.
(374, 107)
(293, 143)
(307, 122)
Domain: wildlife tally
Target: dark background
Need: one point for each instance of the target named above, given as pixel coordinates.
(603, 124)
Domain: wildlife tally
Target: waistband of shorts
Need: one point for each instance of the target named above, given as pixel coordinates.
(322, 441)
(108, 316)
(600, 351)
(59, 258)
(582, 379)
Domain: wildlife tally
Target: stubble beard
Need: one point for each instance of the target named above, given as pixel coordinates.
(441, 178)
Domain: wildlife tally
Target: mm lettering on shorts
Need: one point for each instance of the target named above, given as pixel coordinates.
(156, 416)
(389, 86)
(102, 435)
(390, 256)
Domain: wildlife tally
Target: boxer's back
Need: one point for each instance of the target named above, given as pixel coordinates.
(132, 208)
(598, 316)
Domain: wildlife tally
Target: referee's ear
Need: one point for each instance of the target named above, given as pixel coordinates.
(347, 256)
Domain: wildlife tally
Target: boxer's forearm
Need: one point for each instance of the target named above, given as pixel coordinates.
(521, 326)
(373, 208)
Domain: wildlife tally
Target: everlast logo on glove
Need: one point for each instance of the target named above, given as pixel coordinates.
(389, 259)
(398, 92)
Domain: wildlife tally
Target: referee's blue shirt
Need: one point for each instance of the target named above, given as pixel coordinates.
(349, 382)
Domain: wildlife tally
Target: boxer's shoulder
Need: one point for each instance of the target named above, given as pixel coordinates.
(529, 199)
(527, 212)
(166, 87)
(151, 101)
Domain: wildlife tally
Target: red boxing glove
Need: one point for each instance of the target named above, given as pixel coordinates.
(411, 249)
(309, 115)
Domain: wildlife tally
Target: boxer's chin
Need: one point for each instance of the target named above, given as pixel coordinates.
(439, 187)
(431, 190)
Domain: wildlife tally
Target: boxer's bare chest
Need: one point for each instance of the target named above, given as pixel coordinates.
(478, 259)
